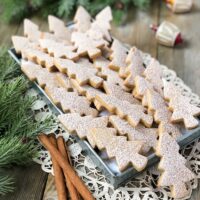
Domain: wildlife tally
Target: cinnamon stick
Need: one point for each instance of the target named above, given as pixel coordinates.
(58, 173)
(75, 179)
(62, 148)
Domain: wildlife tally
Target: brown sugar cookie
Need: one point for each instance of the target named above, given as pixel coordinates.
(101, 63)
(82, 20)
(125, 152)
(74, 123)
(108, 74)
(118, 92)
(64, 82)
(89, 92)
(36, 73)
(101, 25)
(104, 17)
(141, 86)
(92, 136)
(70, 101)
(118, 57)
(134, 113)
(106, 52)
(170, 90)
(31, 30)
(153, 73)
(58, 50)
(101, 140)
(147, 135)
(157, 104)
(83, 73)
(86, 45)
(173, 167)
(182, 109)
(20, 43)
(95, 32)
(86, 62)
(39, 57)
(58, 27)
(162, 115)
(135, 66)
(86, 90)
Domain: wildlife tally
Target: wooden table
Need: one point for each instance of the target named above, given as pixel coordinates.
(184, 59)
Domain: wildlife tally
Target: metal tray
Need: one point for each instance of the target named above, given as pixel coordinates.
(108, 167)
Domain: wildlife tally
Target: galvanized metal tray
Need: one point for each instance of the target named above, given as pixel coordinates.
(109, 167)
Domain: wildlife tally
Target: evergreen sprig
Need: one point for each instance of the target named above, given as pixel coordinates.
(9, 68)
(15, 150)
(6, 184)
(16, 10)
(18, 128)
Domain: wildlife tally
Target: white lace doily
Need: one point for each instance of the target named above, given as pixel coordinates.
(144, 186)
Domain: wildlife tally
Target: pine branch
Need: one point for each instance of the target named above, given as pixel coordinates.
(6, 184)
(8, 67)
(66, 7)
(15, 10)
(16, 151)
(18, 128)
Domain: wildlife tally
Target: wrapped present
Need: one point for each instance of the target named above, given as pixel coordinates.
(180, 6)
(167, 34)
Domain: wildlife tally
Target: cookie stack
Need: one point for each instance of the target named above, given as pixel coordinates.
(84, 71)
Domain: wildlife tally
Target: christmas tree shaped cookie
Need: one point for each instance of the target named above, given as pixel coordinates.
(86, 45)
(82, 20)
(162, 115)
(134, 113)
(106, 135)
(31, 30)
(41, 58)
(70, 101)
(153, 73)
(101, 63)
(125, 152)
(21, 43)
(135, 67)
(108, 74)
(82, 72)
(89, 92)
(101, 25)
(81, 125)
(170, 90)
(86, 90)
(147, 135)
(141, 86)
(118, 92)
(65, 82)
(36, 73)
(118, 57)
(104, 17)
(173, 166)
(58, 27)
(58, 50)
(182, 109)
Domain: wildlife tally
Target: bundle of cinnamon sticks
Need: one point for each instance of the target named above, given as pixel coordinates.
(65, 175)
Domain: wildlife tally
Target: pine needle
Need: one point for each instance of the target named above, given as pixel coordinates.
(9, 68)
(6, 184)
(18, 128)
(16, 151)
